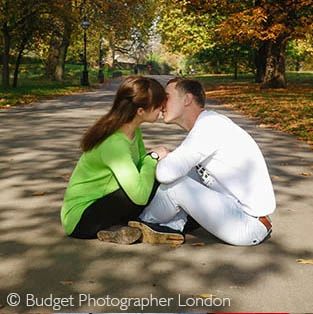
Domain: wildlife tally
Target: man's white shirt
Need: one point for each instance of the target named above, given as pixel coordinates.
(230, 156)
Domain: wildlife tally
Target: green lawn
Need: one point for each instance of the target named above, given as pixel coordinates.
(33, 86)
(289, 110)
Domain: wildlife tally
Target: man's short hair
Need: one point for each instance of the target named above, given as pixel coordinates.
(194, 87)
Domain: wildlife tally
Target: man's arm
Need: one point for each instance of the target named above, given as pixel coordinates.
(180, 161)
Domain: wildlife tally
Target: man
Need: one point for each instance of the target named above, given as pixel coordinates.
(218, 175)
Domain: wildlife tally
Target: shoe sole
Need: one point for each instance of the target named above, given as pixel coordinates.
(125, 235)
(154, 237)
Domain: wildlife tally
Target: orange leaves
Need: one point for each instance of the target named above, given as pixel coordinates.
(289, 110)
(248, 24)
(277, 29)
(207, 296)
(38, 193)
(306, 173)
(275, 178)
(198, 244)
(66, 282)
(305, 261)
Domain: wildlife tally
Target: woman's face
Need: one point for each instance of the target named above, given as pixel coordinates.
(151, 115)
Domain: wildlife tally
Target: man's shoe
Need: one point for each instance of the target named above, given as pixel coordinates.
(157, 234)
(124, 235)
(191, 225)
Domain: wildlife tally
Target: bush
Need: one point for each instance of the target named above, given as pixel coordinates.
(117, 74)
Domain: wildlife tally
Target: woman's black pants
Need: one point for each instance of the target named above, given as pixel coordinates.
(113, 209)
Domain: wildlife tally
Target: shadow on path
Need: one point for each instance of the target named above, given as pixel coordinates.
(39, 149)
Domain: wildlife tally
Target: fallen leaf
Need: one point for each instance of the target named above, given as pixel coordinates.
(175, 245)
(263, 126)
(198, 244)
(38, 193)
(207, 295)
(305, 261)
(65, 177)
(306, 173)
(66, 282)
(275, 177)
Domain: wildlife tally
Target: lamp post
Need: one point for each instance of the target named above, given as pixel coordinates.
(100, 73)
(84, 80)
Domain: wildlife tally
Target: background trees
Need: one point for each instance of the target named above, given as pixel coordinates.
(125, 26)
(51, 28)
(266, 26)
(62, 17)
(19, 25)
(216, 36)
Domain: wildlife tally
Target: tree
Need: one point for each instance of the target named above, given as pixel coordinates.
(63, 14)
(25, 34)
(19, 22)
(191, 33)
(120, 27)
(185, 30)
(300, 54)
(125, 32)
(266, 25)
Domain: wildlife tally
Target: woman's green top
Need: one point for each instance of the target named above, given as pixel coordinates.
(118, 162)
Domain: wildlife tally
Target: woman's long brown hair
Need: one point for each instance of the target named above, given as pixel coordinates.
(133, 93)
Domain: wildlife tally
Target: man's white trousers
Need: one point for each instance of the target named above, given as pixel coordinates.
(221, 215)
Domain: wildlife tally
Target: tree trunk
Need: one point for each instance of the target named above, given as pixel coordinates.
(275, 73)
(260, 62)
(17, 66)
(6, 58)
(66, 36)
(60, 66)
(235, 62)
(19, 58)
(53, 55)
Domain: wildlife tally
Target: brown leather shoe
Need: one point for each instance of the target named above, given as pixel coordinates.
(124, 235)
(156, 234)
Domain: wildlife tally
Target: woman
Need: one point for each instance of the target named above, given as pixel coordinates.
(114, 177)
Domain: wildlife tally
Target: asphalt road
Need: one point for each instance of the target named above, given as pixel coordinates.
(43, 270)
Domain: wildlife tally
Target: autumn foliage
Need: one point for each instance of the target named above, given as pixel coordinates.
(289, 110)
(265, 25)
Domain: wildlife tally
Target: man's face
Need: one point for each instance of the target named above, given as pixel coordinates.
(174, 107)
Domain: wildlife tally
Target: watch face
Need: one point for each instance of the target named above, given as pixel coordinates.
(154, 155)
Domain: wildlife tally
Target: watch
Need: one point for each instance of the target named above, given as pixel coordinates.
(154, 155)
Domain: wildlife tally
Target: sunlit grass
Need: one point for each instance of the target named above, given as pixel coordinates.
(32, 85)
(289, 110)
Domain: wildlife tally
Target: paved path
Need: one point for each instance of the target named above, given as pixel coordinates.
(39, 148)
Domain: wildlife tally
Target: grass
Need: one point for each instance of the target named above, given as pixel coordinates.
(289, 110)
(33, 86)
